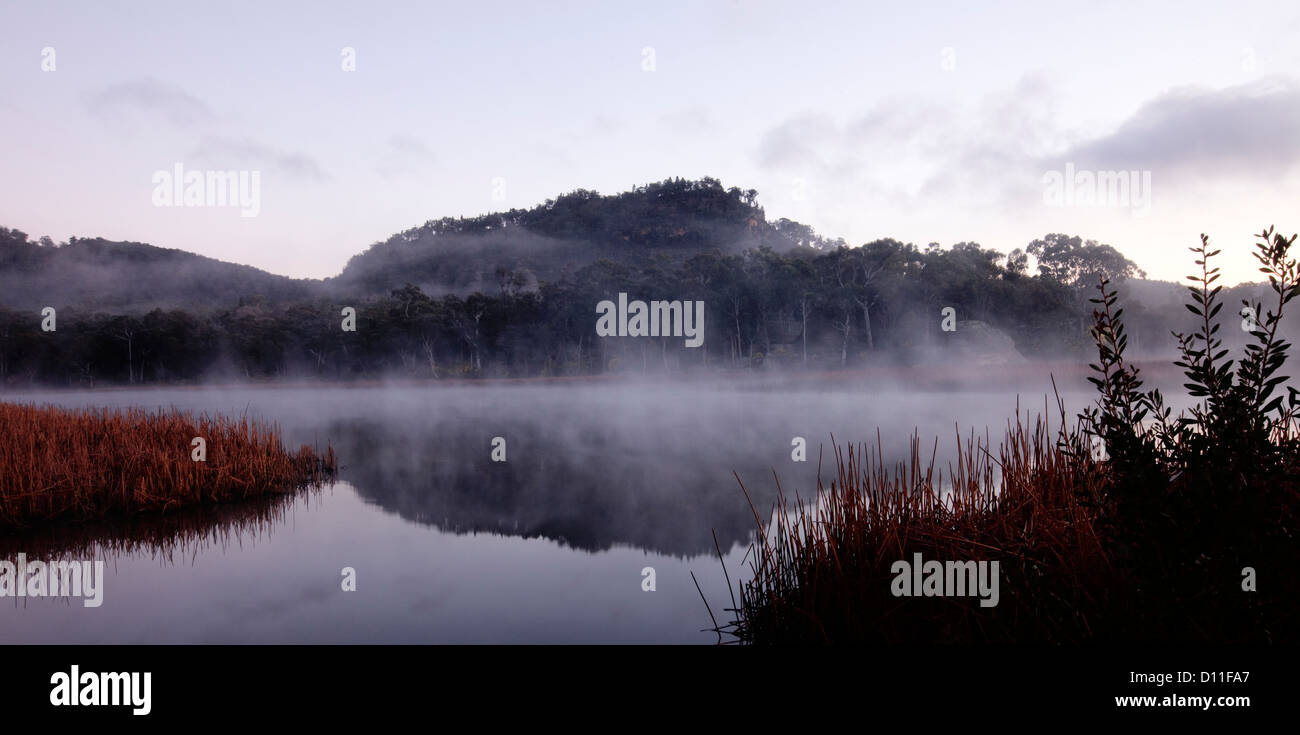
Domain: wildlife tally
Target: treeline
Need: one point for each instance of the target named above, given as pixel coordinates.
(514, 294)
(808, 307)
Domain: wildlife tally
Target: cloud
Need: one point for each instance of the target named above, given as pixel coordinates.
(911, 152)
(803, 142)
(404, 155)
(409, 146)
(247, 152)
(598, 126)
(603, 124)
(695, 119)
(886, 155)
(1242, 131)
(152, 97)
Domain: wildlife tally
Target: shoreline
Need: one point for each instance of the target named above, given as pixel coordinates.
(935, 377)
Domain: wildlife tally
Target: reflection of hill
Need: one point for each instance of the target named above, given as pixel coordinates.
(590, 490)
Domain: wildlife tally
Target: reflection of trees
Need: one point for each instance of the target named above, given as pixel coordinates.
(586, 487)
(164, 536)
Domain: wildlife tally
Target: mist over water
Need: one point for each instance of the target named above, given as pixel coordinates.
(600, 481)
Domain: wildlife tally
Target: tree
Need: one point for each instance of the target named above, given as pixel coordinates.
(1072, 262)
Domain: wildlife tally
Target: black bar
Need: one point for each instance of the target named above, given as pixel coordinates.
(328, 684)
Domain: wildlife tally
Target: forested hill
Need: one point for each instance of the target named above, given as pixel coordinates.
(453, 255)
(674, 218)
(124, 277)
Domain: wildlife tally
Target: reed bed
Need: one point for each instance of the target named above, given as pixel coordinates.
(821, 568)
(77, 465)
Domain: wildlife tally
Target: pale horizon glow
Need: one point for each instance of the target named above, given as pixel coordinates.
(936, 122)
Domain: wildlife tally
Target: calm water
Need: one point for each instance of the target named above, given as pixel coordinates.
(600, 482)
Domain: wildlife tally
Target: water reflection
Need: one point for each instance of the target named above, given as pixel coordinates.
(449, 546)
(581, 486)
(593, 467)
(168, 537)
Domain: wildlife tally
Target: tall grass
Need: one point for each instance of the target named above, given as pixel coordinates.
(1186, 530)
(62, 464)
(821, 567)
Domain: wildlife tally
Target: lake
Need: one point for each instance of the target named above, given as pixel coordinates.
(599, 482)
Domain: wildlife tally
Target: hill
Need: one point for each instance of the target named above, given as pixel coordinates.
(672, 219)
(129, 277)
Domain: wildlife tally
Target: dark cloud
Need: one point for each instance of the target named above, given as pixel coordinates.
(244, 152)
(1242, 130)
(406, 145)
(152, 97)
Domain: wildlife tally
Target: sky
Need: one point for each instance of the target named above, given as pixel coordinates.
(989, 122)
